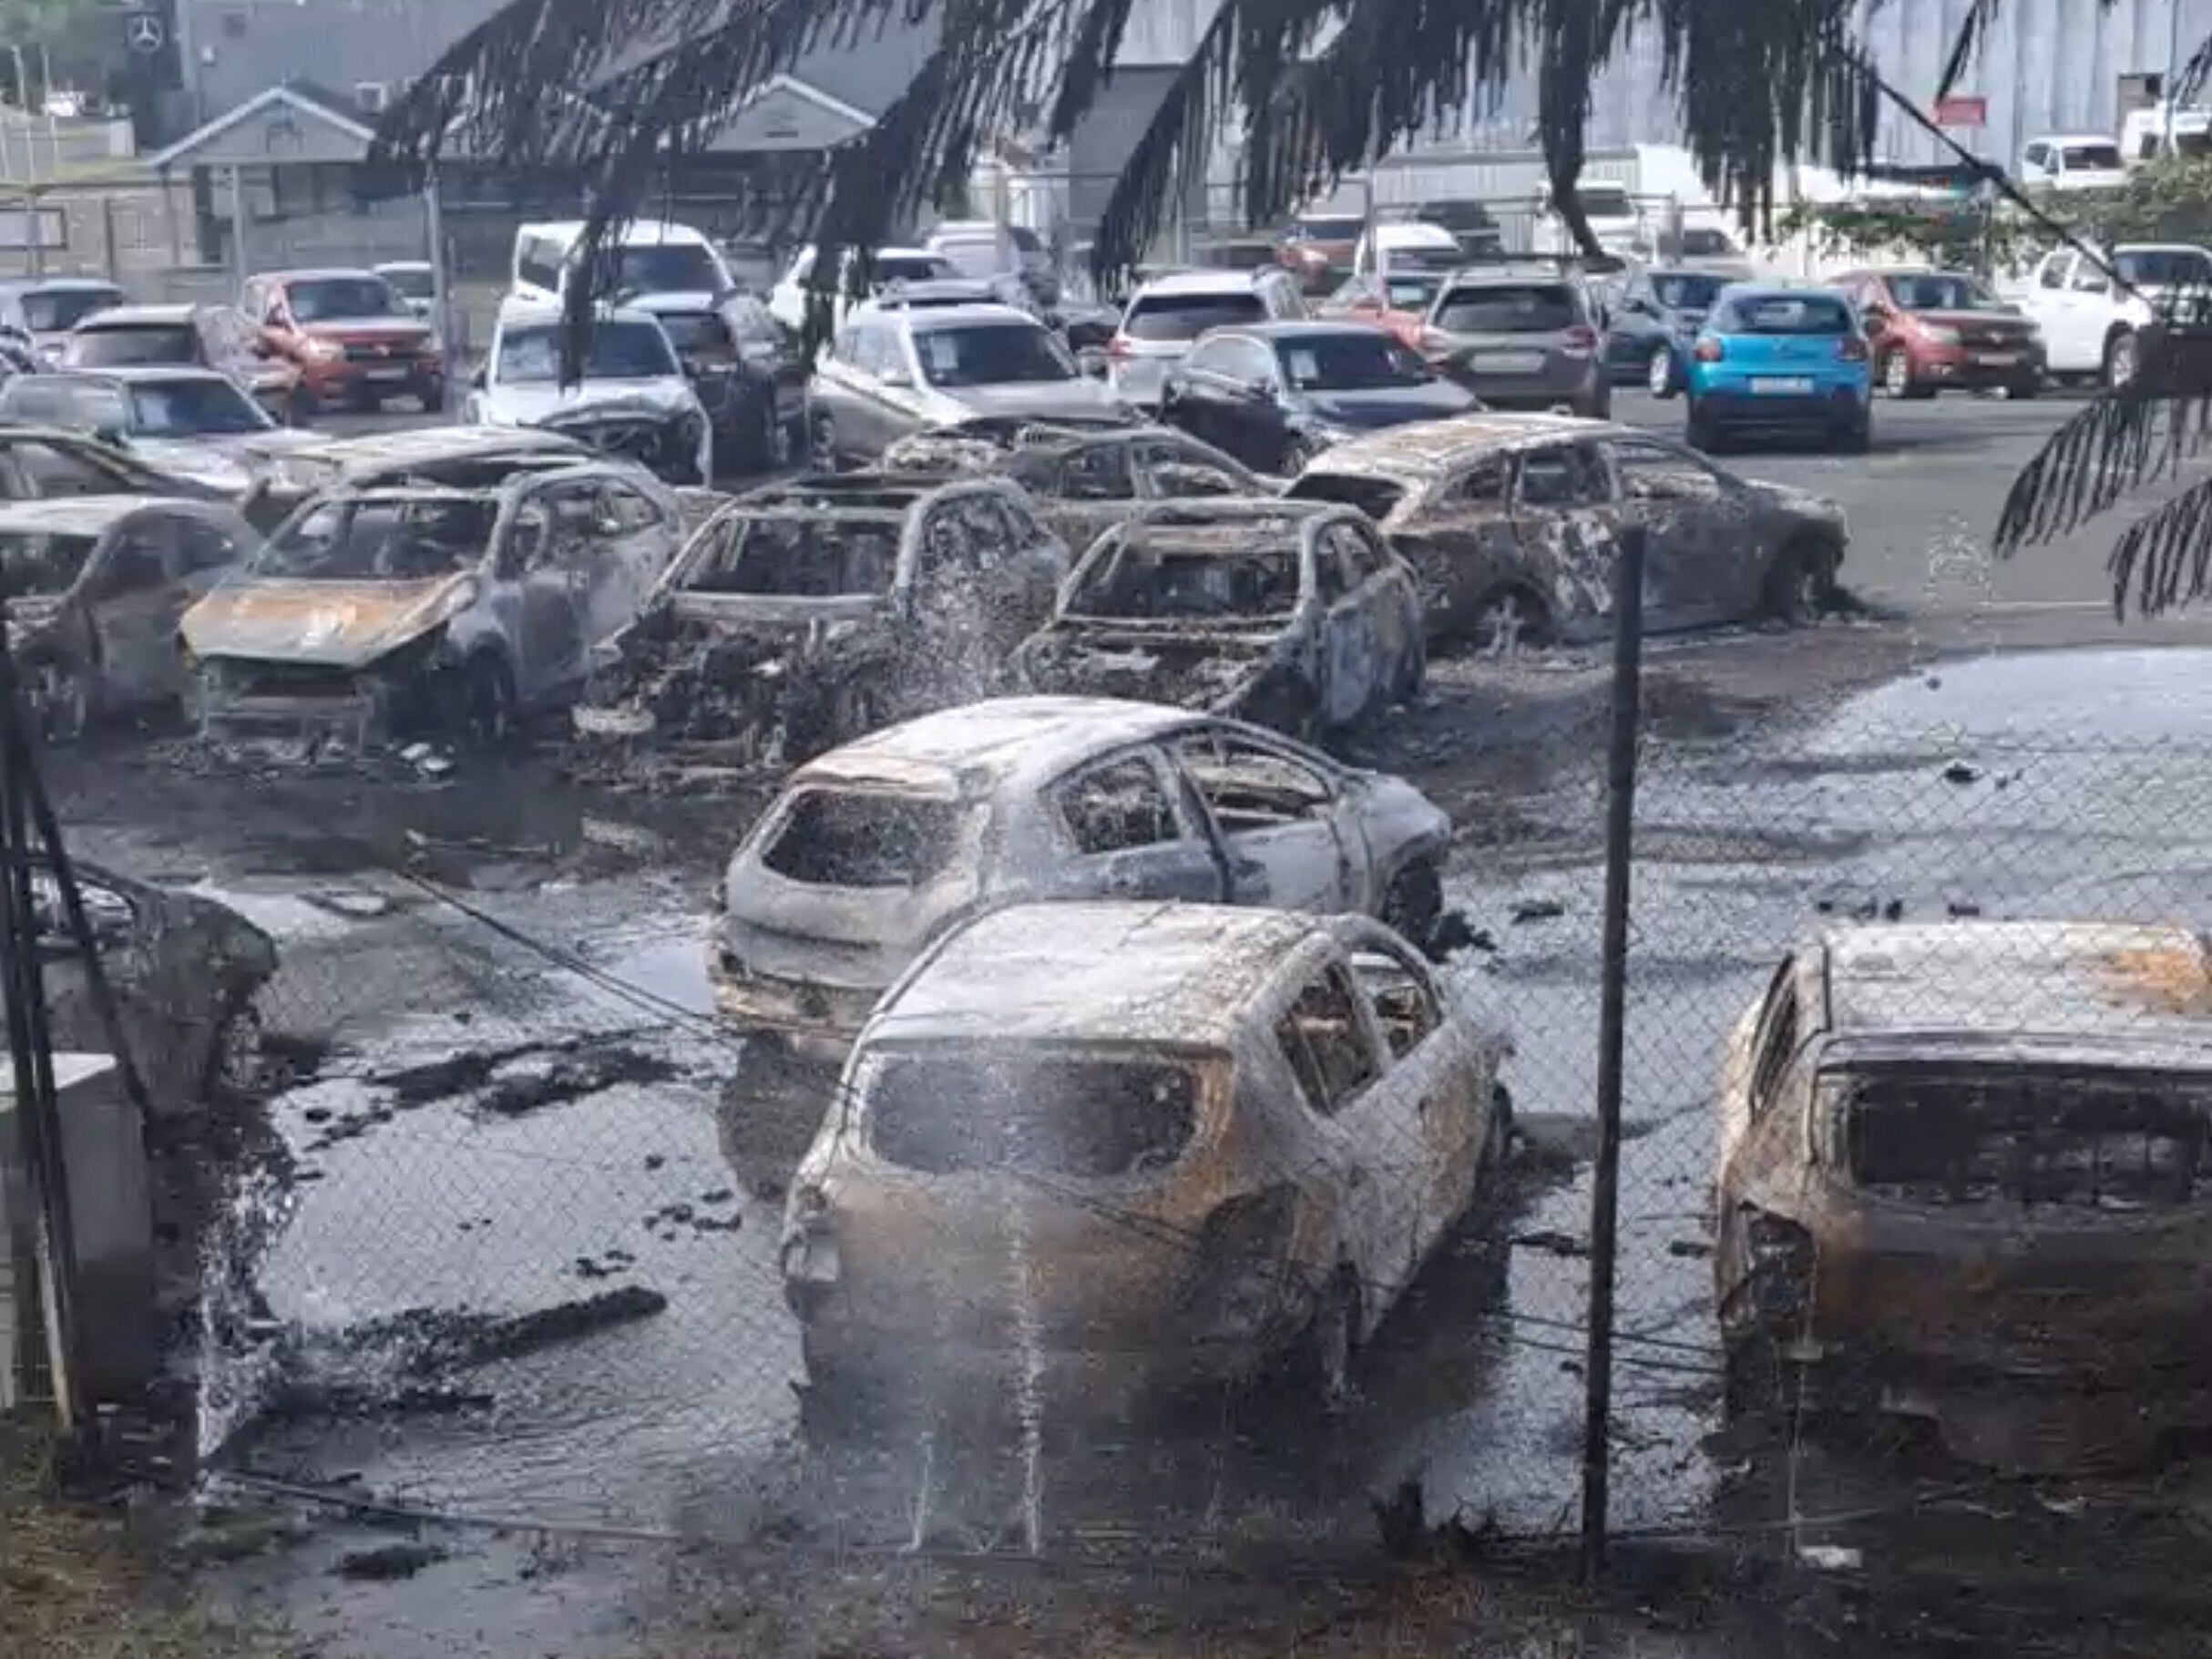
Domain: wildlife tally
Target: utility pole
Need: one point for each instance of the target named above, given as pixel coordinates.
(2172, 83)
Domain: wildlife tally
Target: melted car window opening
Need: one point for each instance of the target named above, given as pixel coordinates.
(862, 838)
(823, 558)
(1251, 789)
(1326, 1046)
(39, 564)
(1118, 809)
(392, 541)
(1374, 497)
(1093, 1119)
(1408, 1009)
(1146, 583)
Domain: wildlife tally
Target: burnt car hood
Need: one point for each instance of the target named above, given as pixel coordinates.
(1789, 498)
(1208, 669)
(1388, 405)
(329, 624)
(226, 462)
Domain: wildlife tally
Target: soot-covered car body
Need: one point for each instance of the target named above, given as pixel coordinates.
(1296, 615)
(1961, 1177)
(287, 473)
(1105, 1150)
(1512, 524)
(807, 614)
(373, 613)
(876, 849)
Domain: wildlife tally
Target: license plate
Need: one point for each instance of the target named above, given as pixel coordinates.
(1997, 360)
(389, 374)
(1510, 362)
(1786, 386)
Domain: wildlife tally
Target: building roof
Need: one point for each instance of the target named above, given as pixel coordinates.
(334, 117)
(991, 746)
(1093, 972)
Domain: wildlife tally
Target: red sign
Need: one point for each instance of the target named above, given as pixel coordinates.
(1959, 111)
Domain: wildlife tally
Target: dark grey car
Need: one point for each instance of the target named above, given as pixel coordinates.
(1520, 337)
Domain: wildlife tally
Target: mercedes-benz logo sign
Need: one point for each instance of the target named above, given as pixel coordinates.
(144, 34)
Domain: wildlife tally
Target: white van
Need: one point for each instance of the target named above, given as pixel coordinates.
(2078, 161)
(1409, 244)
(655, 257)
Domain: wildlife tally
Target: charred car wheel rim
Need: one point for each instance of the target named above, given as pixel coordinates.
(1508, 624)
(1415, 901)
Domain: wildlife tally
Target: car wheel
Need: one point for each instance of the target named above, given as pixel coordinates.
(431, 395)
(2121, 361)
(1800, 586)
(1659, 372)
(1897, 372)
(775, 440)
(491, 716)
(1412, 671)
(2027, 386)
(1283, 702)
(1858, 436)
(821, 441)
(1415, 902)
(1509, 621)
(234, 1059)
(1497, 1145)
(1704, 433)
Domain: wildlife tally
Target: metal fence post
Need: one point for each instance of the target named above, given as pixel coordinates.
(1605, 1181)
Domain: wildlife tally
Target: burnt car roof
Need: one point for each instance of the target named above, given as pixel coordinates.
(997, 745)
(2102, 986)
(435, 444)
(830, 491)
(1146, 973)
(1425, 448)
(506, 487)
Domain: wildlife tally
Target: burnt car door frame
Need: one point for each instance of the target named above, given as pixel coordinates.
(1691, 579)
(133, 612)
(1588, 518)
(1281, 863)
(1454, 1122)
(1190, 866)
(1351, 633)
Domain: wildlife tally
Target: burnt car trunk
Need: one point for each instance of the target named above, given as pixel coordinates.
(1215, 671)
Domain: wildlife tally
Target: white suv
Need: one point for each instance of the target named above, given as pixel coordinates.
(1166, 316)
(651, 257)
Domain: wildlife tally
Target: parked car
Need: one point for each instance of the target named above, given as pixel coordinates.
(748, 376)
(643, 257)
(47, 463)
(1232, 1139)
(1520, 337)
(1958, 1179)
(352, 338)
(1276, 396)
(1512, 523)
(414, 281)
(1613, 215)
(376, 612)
(216, 337)
(1407, 244)
(1653, 327)
(893, 372)
(982, 248)
(2093, 326)
(453, 458)
(1294, 616)
(45, 309)
(1082, 480)
(188, 424)
(2074, 161)
(1789, 361)
(1471, 222)
(632, 400)
(1237, 253)
(876, 849)
(95, 586)
(1400, 302)
(1317, 249)
(805, 615)
(1166, 316)
(1933, 329)
(788, 300)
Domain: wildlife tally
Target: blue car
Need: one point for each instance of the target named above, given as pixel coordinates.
(1781, 362)
(1655, 323)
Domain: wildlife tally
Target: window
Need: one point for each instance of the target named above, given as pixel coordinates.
(2038, 155)
(39, 564)
(1786, 313)
(1376, 498)
(1404, 1001)
(382, 539)
(1361, 559)
(1118, 808)
(797, 554)
(1652, 472)
(1481, 485)
(346, 299)
(207, 546)
(1326, 1044)
(2093, 158)
(54, 472)
(67, 400)
(992, 354)
(1508, 308)
(1248, 788)
(1777, 1042)
(98, 347)
(632, 511)
(2163, 267)
(530, 354)
(537, 262)
(1185, 316)
(136, 562)
(1570, 476)
(2055, 270)
(864, 838)
(1361, 360)
(1099, 473)
(943, 1109)
(1175, 474)
(1217, 357)
(2088, 279)
(52, 310)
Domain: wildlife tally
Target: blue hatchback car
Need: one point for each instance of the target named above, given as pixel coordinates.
(1781, 360)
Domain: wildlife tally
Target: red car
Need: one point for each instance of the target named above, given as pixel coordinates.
(1400, 302)
(1935, 330)
(350, 334)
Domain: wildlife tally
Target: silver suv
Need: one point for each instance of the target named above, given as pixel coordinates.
(1520, 337)
(1166, 316)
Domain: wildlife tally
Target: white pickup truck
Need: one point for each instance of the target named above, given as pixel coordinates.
(2089, 323)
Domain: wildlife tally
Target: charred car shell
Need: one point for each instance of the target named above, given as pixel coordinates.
(873, 850)
(376, 612)
(805, 615)
(454, 457)
(1512, 522)
(1293, 615)
(1961, 1177)
(1113, 1151)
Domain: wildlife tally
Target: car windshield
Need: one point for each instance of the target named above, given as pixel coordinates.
(66, 400)
(999, 1107)
(342, 300)
(699, 334)
(1426, 256)
(1678, 291)
(1147, 579)
(53, 311)
(530, 354)
(675, 268)
(808, 555)
(1413, 290)
(1329, 228)
(992, 354)
(1185, 316)
(35, 564)
(1701, 243)
(1786, 313)
(98, 347)
(1507, 308)
(1355, 361)
(2094, 158)
(401, 541)
(865, 838)
(412, 282)
(2165, 267)
(209, 407)
(979, 255)
(1938, 292)
(912, 268)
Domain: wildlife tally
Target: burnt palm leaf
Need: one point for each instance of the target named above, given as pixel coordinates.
(2164, 559)
(2120, 442)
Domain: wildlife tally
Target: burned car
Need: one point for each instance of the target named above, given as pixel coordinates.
(380, 611)
(286, 473)
(1512, 521)
(95, 586)
(1959, 1178)
(1105, 1150)
(872, 851)
(1293, 615)
(1084, 477)
(807, 614)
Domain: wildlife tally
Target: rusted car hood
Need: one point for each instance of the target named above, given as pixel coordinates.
(334, 624)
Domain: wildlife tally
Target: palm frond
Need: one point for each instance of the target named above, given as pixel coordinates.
(1966, 46)
(2164, 560)
(2117, 443)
